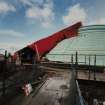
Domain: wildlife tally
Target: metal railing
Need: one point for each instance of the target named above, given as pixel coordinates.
(91, 65)
(76, 95)
(79, 97)
(83, 59)
(92, 69)
(13, 76)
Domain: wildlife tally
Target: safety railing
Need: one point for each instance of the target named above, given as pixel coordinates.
(79, 97)
(83, 59)
(87, 66)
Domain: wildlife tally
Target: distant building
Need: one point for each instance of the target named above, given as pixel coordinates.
(1, 57)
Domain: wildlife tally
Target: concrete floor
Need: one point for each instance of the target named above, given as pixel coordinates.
(55, 91)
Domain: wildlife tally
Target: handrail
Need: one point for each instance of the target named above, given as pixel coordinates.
(80, 54)
(79, 94)
(82, 58)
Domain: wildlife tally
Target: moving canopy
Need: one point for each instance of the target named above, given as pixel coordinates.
(41, 47)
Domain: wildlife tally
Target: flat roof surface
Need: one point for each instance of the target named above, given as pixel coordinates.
(54, 91)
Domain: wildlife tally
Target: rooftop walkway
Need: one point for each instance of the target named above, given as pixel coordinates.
(55, 90)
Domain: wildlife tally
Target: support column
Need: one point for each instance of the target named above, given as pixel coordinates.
(95, 67)
(76, 64)
(89, 68)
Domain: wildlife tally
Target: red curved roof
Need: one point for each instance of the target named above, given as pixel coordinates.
(43, 46)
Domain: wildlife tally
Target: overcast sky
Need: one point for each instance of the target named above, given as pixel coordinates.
(25, 21)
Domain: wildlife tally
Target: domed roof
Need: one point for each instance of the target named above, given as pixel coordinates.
(90, 40)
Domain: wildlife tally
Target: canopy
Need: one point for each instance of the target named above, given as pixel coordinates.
(43, 46)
